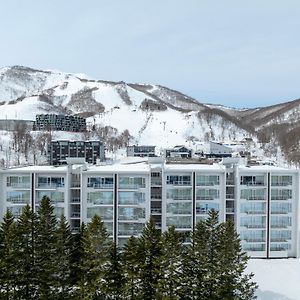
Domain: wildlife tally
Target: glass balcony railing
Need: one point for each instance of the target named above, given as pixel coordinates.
(179, 183)
(101, 185)
(19, 184)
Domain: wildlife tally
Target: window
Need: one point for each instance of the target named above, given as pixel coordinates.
(281, 180)
(281, 194)
(106, 213)
(18, 197)
(207, 180)
(131, 182)
(207, 194)
(253, 194)
(204, 208)
(179, 208)
(131, 198)
(253, 180)
(18, 181)
(179, 194)
(97, 198)
(100, 182)
(179, 179)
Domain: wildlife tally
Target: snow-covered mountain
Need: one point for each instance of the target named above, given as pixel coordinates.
(151, 114)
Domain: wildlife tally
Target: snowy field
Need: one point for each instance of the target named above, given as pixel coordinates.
(278, 279)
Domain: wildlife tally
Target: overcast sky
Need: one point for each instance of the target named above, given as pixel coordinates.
(235, 53)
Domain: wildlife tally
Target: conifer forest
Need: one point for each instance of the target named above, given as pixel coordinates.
(41, 259)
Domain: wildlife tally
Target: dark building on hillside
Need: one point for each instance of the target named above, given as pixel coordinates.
(59, 122)
(141, 151)
(178, 152)
(92, 151)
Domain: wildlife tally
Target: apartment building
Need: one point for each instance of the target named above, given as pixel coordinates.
(261, 200)
(60, 150)
(141, 151)
(59, 122)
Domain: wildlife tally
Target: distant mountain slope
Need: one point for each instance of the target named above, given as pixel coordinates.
(148, 113)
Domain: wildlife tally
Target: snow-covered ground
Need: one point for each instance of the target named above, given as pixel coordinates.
(278, 279)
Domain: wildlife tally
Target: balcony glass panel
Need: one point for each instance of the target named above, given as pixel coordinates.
(281, 194)
(204, 208)
(179, 180)
(179, 208)
(131, 213)
(18, 197)
(179, 222)
(50, 182)
(179, 194)
(131, 182)
(130, 228)
(106, 213)
(207, 180)
(207, 194)
(253, 208)
(281, 208)
(253, 194)
(131, 198)
(281, 221)
(254, 247)
(281, 235)
(18, 181)
(281, 180)
(253, 236)
(97, 198)
(253, 180)
(55, 197)
(280, 247)
(100, 182)
(253, 221)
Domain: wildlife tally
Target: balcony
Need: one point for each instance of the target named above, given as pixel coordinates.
(131, 186)
(255, 240)
(155, 210)
(281, 198)
(128, 232)
(280, 212)
(156, 182)
(18, 201)
(257, 226)
(19, 185)
(50, 185)
(254, 212)
(230, 209)
(280, 225)
(75, 184)
(230, 196)
(280, 240)
(179, 183)
(75, 200)
(207, 183)
(156, 196)
(75, 215)
(101, 185)
(207, 197)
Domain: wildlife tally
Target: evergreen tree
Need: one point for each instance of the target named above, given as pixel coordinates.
(26, 280)
(94, 259)
(76, 255)
(171, 264)
(130, 261)
(45, 249)
(8, 263)
(149, 253)
(62, 272)
(114, 281)
(234, 283)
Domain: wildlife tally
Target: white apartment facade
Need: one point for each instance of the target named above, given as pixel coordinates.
(263, 201)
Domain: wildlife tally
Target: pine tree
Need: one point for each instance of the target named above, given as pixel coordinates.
(171, 264)
(25, 249)
(114, 280)
(8, 263)
(76, 255)
(149, 253)
(130, 261)
(94, 259)
(234, 283)
(63, 247)
(45, 248)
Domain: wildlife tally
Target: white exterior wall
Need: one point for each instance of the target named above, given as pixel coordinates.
(193, 197)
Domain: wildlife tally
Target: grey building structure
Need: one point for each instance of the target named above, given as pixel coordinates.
(141, 151)
(59, 150)
(60, 122)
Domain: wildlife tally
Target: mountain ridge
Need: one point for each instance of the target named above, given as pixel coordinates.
(151, 113)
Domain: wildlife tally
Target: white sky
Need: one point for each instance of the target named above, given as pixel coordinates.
(233, 52)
